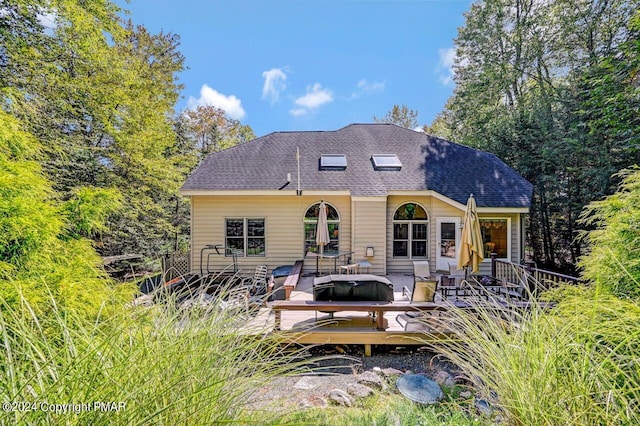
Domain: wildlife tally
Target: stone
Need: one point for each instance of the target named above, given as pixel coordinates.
(465, 394)
(306, 383)
(419, 389)
(340, 397)
(371, 379)
(359, 390)
(392, 372)
(314, 401)
(444, 379)
(483, 407)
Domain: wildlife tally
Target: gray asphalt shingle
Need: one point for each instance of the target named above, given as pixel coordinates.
(428, 163)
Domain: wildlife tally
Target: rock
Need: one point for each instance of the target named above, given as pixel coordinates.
(419, 389)
(483, 407)
(314, 401)
(465, 394)
(340, 397)
(377, 369)
(359, 390)
(391, 372)
(444, 379)
(306, 383)
(371, 378)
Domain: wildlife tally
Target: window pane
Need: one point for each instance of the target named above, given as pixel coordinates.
(494, 236)
(255, 247)
(400, 231)
(310, 231)
(235, 227)
(255, 227)
(400, 249)
(313, 211)
(236, 244)
(410, 211)
(448, 231)
(419, 231)
(418, 249)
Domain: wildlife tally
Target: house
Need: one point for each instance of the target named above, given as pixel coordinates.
(393, 195)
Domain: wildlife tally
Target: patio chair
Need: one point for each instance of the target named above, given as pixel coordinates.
(257, 285)
(424, 287)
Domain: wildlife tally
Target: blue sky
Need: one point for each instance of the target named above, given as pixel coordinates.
(279, 65)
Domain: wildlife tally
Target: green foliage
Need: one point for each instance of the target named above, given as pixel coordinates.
(613, 261)
(385, 409)
(37, 253)
(401, 116)
(575, 364)
(166, 367)
(551, 88)
(88, 209)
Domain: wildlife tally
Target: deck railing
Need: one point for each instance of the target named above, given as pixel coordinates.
(527, 276)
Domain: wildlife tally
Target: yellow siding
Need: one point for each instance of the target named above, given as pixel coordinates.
(369, 230)
(363, 223)
(283, 227)
(435, 208)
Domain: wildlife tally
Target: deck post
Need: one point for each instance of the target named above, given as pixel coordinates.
(278, 318)
(493, 265)
(367, 349)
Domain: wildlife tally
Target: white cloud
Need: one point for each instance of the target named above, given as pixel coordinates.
(370, 88)
(273, 84)
(365, 88)
(208, 96)
(316, 96)
(296, 112)
(445, 65)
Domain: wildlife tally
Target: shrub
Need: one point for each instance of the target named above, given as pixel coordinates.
(576, 364)
(158, 365)
(613, 261)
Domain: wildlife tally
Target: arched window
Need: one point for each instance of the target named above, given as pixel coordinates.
(311, 223)
(410, 226)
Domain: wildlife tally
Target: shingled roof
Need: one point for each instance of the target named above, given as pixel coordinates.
(428, 163)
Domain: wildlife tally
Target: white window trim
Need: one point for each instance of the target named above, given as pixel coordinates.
(329, 221)
(509, 247)
(426, 221)
(245, 236)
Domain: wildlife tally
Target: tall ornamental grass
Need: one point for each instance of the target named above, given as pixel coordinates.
(149, 365)
(574, 364)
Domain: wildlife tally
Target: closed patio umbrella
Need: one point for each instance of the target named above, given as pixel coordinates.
(471, 247)
(322, 230)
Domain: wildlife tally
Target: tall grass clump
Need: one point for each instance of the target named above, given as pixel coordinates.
(613, 259)
(573, 364)
(150, 365)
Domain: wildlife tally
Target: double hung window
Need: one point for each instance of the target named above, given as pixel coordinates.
(245, 236)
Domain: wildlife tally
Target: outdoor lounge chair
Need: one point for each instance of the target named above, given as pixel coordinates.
(424, 287)
(257, 285)
(424, 290)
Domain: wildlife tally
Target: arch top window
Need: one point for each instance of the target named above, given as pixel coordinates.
(410, 226)
(311, 223)
(410, 211)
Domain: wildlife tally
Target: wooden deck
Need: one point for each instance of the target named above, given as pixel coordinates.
(357, 326)
(305, 321)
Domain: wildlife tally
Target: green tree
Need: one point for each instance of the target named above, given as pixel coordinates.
(99, 93)
(42, 258)
(211, 130)
(401, 116)
(524, 91)
(613, 261)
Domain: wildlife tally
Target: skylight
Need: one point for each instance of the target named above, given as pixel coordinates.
(333, 162)
(386, 162)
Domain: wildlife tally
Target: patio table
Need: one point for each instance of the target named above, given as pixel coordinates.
(335, 255)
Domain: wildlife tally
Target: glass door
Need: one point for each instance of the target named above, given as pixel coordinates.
(447, 239)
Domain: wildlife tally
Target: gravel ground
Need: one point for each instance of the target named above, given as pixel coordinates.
(339, 366)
